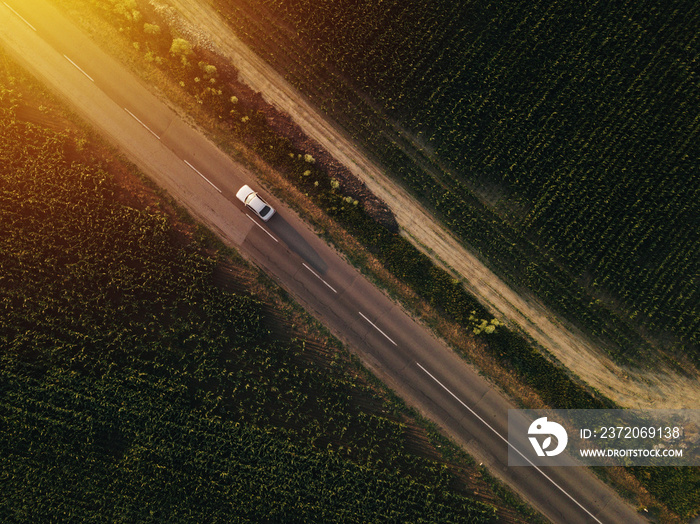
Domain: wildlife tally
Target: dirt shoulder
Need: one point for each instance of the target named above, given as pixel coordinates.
(650, 388)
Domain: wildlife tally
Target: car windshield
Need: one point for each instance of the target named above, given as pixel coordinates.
(264, 211)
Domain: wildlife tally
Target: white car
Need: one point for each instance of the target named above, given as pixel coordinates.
(252, 200)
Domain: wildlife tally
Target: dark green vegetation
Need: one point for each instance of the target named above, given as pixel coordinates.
(678, 487)
(575, 121)
(140, 381)
(131, 447)
(247, 122)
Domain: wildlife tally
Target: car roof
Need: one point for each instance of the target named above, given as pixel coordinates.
(257, 203)
(244, 192)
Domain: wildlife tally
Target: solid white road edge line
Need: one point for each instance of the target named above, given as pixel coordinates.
(319, 277)
(21, 17)
(375, 327)
(265, 230)
(200, 174)
(79, 68)
(509, 444)
(139, 121)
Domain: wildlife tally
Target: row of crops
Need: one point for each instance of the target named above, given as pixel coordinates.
(576, 121)
(130, 448)
(132, 388)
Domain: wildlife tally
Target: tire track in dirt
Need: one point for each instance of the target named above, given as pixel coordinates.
(629, 388)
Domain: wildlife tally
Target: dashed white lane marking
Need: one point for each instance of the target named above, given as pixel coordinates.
(140, 122)
(265, 230)
(508, 443)
(79, 68)
(375, 327)
(319, 277)
(200, 174)
(20, 17)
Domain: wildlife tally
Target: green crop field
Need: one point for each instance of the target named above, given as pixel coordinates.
(38, 391)
(561, 140)
(142, 381)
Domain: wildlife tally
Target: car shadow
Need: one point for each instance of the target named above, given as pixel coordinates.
(294, 241)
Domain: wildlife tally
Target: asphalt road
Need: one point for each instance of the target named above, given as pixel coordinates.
(404, 354)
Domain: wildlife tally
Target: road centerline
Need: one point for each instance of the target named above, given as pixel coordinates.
(507, 443)
(375, 327)
(200, 174)
(319, 277)
(21, 17)
(79, 69)
(265, 230)
(140, 122)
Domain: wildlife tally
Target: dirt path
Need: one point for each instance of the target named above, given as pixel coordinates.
(642, 389)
